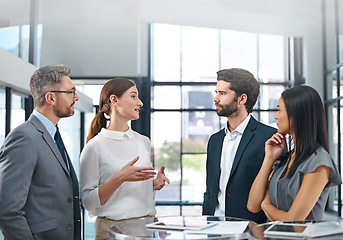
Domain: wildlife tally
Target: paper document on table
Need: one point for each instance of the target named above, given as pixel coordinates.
(223, 227)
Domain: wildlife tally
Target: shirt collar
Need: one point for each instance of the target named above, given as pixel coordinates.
(46, 122)
(116, 134)
(241, 127)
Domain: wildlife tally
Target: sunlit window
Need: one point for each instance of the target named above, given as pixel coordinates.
(184, 64)
(239, 49)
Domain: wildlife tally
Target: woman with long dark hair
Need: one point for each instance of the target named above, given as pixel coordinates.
(296, 186)
(116, 170)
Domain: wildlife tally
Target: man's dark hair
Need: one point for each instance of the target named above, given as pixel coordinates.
(241, 82)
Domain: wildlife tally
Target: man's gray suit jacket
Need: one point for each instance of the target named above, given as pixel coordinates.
(38, 198)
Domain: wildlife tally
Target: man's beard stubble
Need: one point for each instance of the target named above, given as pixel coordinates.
(63, 113)
(228, 109)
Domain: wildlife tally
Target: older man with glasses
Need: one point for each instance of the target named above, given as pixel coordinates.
(39, 193)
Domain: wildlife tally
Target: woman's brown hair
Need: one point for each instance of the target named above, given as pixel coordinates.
(115, 86)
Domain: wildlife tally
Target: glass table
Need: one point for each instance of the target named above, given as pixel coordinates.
(257, 232)
(137, 229)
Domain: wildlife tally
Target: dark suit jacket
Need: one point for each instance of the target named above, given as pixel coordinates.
(39, 198)
(247, 163)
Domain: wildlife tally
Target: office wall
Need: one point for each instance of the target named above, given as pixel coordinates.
(110, 38)
(15, 72)
(95, 38)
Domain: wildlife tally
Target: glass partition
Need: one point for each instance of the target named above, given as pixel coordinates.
(15, 39)
(333, 147)
(10, 39)
(340, 34)
(332, 37)
(70, 132)
(2, 114)
(18, 110)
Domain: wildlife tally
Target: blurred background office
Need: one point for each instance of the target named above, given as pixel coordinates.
(173, 49)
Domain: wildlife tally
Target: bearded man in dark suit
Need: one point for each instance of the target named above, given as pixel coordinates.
(235, 153)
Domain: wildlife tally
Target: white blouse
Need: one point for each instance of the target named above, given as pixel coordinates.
(102, 157)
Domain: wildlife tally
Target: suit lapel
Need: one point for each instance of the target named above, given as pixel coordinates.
(48, 139)
(217, 159)
(246, 137)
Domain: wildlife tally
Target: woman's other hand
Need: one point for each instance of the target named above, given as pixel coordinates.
(160, 180)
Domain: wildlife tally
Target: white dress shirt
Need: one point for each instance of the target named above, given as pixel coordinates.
(102, 157)
(230, 145)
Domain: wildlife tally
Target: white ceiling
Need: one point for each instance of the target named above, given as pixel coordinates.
(16, 12)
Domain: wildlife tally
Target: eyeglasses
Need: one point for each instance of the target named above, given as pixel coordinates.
(60, 91)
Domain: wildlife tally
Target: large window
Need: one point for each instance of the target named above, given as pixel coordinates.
(183, 79)
(333, 78)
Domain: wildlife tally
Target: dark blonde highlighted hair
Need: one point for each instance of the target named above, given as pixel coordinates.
(115, 86)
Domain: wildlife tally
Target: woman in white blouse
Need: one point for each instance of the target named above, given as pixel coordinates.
(116, 173)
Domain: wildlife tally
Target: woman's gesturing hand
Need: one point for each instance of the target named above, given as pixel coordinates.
(160, 180)
(131, 173)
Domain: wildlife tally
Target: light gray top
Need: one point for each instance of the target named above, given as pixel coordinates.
(284, 190)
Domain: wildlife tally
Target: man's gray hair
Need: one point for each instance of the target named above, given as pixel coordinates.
(44, 79)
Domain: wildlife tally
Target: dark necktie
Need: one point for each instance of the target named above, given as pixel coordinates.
(61, 147)
(76, 201)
